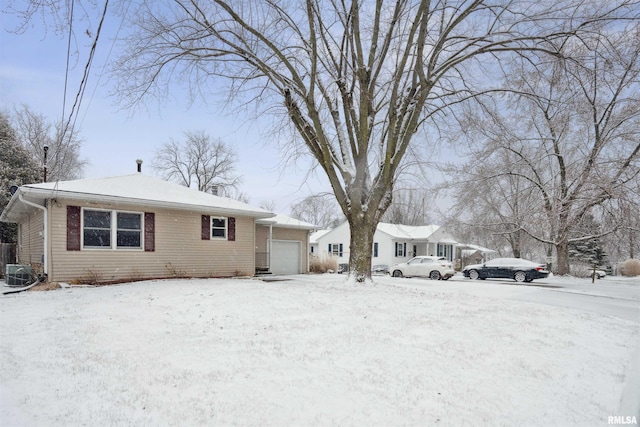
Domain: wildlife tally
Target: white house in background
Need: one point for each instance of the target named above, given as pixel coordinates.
(393, 243)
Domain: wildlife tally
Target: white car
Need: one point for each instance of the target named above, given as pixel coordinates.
(600, 274)
(433, 267)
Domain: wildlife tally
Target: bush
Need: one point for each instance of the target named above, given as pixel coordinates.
(323, 264)
(631, 268)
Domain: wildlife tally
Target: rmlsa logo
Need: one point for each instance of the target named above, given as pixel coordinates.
(619, 419)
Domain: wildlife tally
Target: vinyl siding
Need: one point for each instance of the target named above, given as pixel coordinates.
(179, 249)
(31, 241)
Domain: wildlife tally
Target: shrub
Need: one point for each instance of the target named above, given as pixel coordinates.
(631, 267)
(323, 264)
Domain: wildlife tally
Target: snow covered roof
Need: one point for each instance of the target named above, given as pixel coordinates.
(284, 221)
(135, 189)
(414, 232)
(318, 234)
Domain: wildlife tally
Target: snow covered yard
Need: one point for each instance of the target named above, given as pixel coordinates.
(308, 351)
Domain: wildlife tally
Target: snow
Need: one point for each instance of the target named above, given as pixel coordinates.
(314, 350)
(144, 189)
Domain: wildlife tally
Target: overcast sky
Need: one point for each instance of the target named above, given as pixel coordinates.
(32, 72)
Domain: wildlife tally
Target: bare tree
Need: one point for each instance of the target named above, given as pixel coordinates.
(571, 132)
(320, 210)
(35, 133)
(200, 162)
(355, 80)
(410, 207)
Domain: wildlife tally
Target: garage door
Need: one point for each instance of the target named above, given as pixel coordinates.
(285, 257)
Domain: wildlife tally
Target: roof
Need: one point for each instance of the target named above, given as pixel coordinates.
(133, 189)
(415, 232)
(284, 221)
(318, 234)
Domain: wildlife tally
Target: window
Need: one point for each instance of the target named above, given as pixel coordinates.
(375, 249)
(445, 251)
(335, 249)
(401, 249)
(98, 230)
(218, 228)
(129, 234)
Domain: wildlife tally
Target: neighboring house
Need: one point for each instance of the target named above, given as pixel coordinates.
(393, 243)
(473, 254)
(281, 245)
(314, 247)
(133, 227)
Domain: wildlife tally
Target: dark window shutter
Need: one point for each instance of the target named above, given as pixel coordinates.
(73, 228)
(330, 251)
(149, 231)
(375, 249)
(231, 229)
(340, 249)
(206, 227)
(404, 250)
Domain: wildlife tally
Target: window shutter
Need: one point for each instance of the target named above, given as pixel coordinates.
(149, 232)
(340, 249)
(206, 227)
(330, 251)
(404, 250)
(73, 228)
(375, 249)
(231, 229)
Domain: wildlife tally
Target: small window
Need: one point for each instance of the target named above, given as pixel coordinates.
(97, 229)
(219, 228)
(375, 249)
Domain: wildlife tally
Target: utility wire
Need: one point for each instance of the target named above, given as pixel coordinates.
(66, 74)
(83, 83)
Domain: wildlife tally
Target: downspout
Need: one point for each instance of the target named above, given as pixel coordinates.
(270, 241)
(45, 236)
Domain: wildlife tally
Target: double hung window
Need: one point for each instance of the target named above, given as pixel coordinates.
(101, 228)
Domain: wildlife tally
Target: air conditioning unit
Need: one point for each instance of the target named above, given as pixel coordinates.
(18, 275)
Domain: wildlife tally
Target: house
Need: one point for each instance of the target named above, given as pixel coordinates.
(136, 226)
(393, 243)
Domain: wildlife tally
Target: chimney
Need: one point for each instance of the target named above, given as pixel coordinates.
(139, 162)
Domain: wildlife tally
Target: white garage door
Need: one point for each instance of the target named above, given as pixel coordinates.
(285, 257)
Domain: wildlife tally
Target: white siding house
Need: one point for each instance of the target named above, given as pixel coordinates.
(393, 243)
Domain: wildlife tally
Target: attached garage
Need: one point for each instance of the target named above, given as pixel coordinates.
(286, 257)
(282, 245)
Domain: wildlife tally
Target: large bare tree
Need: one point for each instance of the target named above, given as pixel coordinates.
(355, 80)
(198, 161)
(568, 134)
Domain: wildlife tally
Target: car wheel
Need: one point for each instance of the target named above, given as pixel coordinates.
(473, 275)
(520, 276)
(597, 276)
(434, 275)
(397, 273)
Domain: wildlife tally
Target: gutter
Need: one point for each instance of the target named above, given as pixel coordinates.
(44, 231)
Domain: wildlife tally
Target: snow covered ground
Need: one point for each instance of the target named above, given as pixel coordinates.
(314, 350)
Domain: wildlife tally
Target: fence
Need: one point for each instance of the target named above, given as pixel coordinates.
(7, 256)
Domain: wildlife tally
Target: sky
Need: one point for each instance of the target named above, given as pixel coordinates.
(32, 72)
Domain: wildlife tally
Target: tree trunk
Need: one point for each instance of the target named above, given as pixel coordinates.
(362, 229)
(562, 250)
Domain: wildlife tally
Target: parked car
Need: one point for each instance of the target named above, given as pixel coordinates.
(600, 274)
(520, 270)
(433, 267)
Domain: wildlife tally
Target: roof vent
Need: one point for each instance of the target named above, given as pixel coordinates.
(139, 162)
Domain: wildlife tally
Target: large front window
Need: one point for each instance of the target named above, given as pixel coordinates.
(99, 232)
(445, 251)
